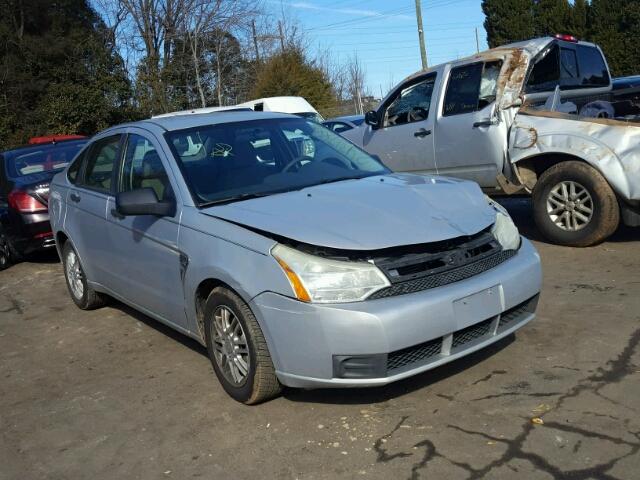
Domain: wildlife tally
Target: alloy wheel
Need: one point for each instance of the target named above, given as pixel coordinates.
(570, 206)
(231, 350)
(74, 274)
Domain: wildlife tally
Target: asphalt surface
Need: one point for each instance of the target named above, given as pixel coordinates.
(113, 394)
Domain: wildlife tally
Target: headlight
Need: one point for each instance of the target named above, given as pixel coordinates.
(319, 280)
(504, 230)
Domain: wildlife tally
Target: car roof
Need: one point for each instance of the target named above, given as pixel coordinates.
(346, 118)
(40, 146)
(192, 120)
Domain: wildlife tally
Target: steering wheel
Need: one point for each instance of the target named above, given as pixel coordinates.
(296, 161)
(412, 115)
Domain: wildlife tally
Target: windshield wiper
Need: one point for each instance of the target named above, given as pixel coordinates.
(235, 198)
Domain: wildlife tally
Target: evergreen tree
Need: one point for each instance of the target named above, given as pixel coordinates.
(579, 12)
(290, 73)
(615, 26)
(551, 17)
(508, 21)
(60, 73)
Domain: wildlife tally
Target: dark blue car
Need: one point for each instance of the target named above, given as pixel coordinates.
(25, 174)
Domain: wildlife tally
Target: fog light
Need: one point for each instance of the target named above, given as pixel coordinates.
(360, 366)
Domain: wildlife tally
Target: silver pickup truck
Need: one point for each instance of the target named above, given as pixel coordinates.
(541, 117)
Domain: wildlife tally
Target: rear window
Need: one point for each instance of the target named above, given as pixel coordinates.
(593, 71)
(48, 158)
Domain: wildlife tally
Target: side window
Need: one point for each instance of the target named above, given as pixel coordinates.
(546, 73)
(143, 168)
(568, 67)
(74, 168)
(593, 71)
(411, 104)
(101, 161)
(471, 88)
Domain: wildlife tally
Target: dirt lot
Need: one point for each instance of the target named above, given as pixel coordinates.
(113, 394)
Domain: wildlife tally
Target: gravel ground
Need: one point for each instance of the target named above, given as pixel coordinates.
(113, 394)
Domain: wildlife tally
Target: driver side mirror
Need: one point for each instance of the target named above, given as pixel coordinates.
(371, 118)
(144, 201)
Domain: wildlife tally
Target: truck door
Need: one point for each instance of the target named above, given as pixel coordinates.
(404, 138)
(470, 139)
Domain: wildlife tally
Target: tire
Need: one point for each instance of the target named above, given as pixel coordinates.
(5, 252)
(562, 199)
(85, 297)
(251, 378)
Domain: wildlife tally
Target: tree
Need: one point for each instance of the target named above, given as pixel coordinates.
(615, 26)
(508, 21)
(60, 72)
(579, 13)
(290, 73)
(551, 17)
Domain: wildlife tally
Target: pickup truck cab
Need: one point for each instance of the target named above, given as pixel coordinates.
(540, 116)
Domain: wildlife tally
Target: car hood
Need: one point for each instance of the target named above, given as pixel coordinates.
(367, 214)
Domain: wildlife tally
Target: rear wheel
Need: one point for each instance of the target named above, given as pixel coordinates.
(82, 294)
(574, 205)
(5, 252)
(237, 349)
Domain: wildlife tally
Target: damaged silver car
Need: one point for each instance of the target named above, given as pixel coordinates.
(541, 116)
(295, 257)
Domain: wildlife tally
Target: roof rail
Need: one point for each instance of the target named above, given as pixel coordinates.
(201, 111)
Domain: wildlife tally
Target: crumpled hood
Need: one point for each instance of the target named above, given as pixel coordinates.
(368, 214)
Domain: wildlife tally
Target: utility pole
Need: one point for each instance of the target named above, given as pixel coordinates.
(423, 48)
(255, 40)
(477, 42)
(281, 35)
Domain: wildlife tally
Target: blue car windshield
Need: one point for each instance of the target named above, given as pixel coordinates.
(40, 159)
(234, 161)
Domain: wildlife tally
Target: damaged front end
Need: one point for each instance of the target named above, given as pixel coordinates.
(328, 275)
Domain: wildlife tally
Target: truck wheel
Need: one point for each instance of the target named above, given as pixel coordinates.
(81, 292)
(574, 205)
(237, 349)
(5, 252)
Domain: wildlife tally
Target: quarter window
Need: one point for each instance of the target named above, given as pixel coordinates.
(593, 71)
(143, 168)
(471, 88)
(100, 163)
(412, 104)
(546, 73)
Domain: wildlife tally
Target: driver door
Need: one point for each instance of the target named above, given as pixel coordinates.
(405, 141)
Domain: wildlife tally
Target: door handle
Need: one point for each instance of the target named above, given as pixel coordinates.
(484, 123)
(74, 197)
(116, 214)
(422, 133)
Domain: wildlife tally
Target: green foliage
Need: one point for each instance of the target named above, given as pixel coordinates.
(612, 24)
(508, 21)
(290, 73)
(60, 74)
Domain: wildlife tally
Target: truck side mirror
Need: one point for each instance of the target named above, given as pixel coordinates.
(371, 118)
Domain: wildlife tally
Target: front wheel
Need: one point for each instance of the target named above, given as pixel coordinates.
(574, 205)
(237, 349)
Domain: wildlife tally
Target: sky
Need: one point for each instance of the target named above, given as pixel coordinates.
(384, 34)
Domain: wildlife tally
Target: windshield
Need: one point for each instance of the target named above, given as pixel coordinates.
(233, 161)
(48, 158)
(315, 116)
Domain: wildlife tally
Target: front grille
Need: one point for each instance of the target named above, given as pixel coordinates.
(517, 313)
(471, 333)
(446, 277)
(417, 353)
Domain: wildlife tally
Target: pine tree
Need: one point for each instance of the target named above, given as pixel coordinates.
(579, 12)
(551, 17)
(615, 26)
(290, 73)
(508, 21)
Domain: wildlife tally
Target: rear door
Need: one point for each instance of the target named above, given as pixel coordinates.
(145, 257)
(404, 141)
(87, 204)
(470, 138)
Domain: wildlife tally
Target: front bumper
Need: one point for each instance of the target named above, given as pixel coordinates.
(404, 335)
